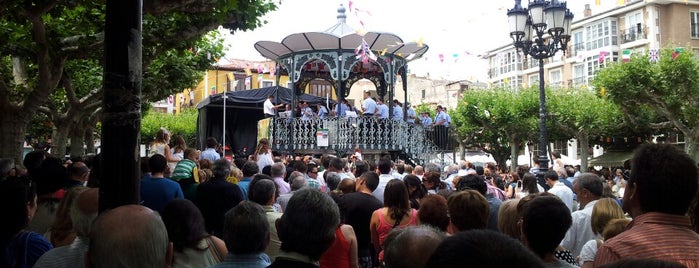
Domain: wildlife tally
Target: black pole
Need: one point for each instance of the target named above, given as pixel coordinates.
(121, 105)
(543, 135)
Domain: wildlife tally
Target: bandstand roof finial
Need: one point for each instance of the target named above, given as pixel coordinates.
(341, 16)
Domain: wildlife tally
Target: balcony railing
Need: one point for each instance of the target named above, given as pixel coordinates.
(418, 143)
(634, 33)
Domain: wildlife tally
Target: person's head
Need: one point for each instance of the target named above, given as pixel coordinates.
(278, 170)
(50, 177)
(32, 160)
(336, 164)
(270, 97)
(507, 218)
(659, 171)
(605, 210)
(308, 209)
(418, 170)
(411, 246)
(614, 227)
(250, 168)
(62, 224)
(468, 209)
(262, 190)
(84, 211)
(482, 248)
(162, 136)
(18, 203)
(434, 212)
(246, 229)
(262, 146)
(369, 180)
(415, 188)
(529, 183)
(184, 224)
(179, 142)
(360, 167)
(551, 177)
(545, 221)
(312, 171)
(332, 179)
(78, 171)
(143, 244)
(347, 185)
(221, 169)
(191, 154)
(385, 165)
(211, 142)
(297, 181)
(473, 182)
(431, 180)
(588, 187)
(395, 195)
(157, 164)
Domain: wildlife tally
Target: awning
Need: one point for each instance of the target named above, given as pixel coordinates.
(611, 159)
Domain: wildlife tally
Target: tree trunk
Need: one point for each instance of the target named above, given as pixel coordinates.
(59, 138)
(121, 104)
(89, 139)
(690, 143)
(12, 135)
(583, 144)
(77, 142)
(514, 155)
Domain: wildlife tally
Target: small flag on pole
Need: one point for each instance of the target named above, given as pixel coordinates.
(626, 55)
(653, 55)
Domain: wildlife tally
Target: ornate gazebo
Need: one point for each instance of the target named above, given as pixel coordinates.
(341, 56)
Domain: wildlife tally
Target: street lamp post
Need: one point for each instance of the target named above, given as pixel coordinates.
(540, 31)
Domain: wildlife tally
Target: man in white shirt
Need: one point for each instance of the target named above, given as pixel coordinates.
(369, 107)
(384, 167)
(397, 110)
(383, 110)
(559, 189)
(270, 108)
(588, 187)
(411, 113)
(306, 112)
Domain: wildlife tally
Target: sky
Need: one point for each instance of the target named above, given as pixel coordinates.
(459, 31)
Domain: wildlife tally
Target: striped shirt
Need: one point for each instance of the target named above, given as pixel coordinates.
(185, 170)
(653, 235)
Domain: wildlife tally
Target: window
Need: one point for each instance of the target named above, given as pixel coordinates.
(533, 79)
(579, 74)
(601, 34)
(266, 83)
(555, 77)
(320, 88)
(507, 62)
(694, 24)
(579, 42)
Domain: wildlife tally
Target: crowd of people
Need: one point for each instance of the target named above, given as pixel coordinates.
(334, 211)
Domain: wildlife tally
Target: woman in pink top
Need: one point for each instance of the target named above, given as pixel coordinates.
(396, 213)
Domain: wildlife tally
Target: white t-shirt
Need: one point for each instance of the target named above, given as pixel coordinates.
(268, 107)
(588, 252)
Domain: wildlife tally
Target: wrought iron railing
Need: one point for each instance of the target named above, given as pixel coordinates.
(415, 142)
(634, 33)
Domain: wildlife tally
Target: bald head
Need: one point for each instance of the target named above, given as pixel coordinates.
(129, 236)
(84, 211)
(411, 246)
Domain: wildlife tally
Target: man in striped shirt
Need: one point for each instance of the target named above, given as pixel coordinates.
(661, 187)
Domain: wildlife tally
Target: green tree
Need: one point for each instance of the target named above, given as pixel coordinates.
(583, 115)
(44, 43)
(498, 121)
(669, 88)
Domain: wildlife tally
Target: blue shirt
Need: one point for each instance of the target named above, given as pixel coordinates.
(231, 260)
(369, 106)
(398, 112)
(306, 113)
(244, 185)
(157, 192)
(383, 111)
(426, 121)
(322, 112)
(340, 109)
(210, 154)
(411, 113)
(442, 117)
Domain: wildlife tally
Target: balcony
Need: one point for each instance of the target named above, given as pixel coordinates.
(634, 33)
(414, 143)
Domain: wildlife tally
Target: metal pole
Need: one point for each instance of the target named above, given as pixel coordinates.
(543, 135)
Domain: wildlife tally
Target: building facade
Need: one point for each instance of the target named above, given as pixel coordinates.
(597, 39)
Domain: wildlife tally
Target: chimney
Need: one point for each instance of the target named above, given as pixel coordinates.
(587, 12)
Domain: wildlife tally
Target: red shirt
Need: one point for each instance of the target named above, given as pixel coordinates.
(653, 235)
(338, 255)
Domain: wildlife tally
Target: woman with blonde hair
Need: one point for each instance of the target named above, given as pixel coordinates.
(604, 211)
(263, 154)
(161, 146)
